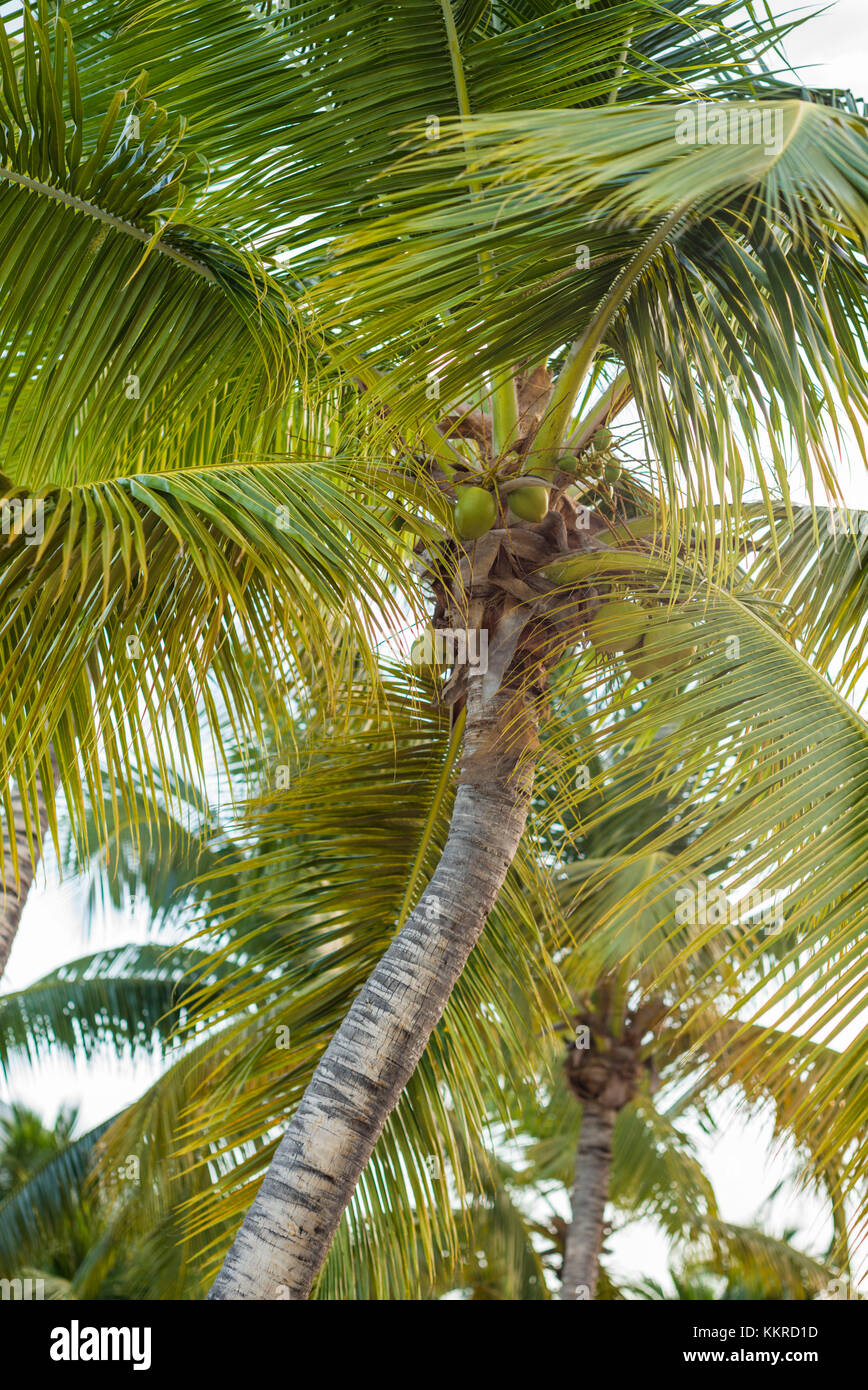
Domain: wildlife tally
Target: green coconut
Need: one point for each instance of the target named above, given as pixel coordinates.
(642, 668)
(602, 440)
(618, 626)
(475, 512)
(529, 503)
(671, 640)
(667, 646)
(611, 470)
(567, 463)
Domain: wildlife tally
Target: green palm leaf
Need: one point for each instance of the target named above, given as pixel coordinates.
(51, 1195)
(816, 569)
(775, 761)
(122, 329)
(127, 998)
(139, 353)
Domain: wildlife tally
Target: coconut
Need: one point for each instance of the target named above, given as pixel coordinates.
(602, 440)
(666, 647)
(617, 626)
(671, 640)
(642, 667)
(529, 503)
(475, 512)
(611, 470)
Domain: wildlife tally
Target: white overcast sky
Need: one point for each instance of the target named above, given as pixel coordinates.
(830, 50)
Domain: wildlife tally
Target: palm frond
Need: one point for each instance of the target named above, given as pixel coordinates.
(122, 328)
(762, 1261)
(814, 567)
(128, 999)
(187, 585)
(30, 1215)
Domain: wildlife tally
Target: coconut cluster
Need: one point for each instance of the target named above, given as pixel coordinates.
(528, 498)
(650, 642)
(600, 459)
(476, 508)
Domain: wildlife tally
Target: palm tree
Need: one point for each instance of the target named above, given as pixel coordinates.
(452, 285)
(493, 217)
(603, 1077)
(506, 1244)
(60, 1227)
(26, 1142)
(513, 1238)
(278, 900)
(629, 1039)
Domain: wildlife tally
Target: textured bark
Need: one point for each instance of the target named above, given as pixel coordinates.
(14, 896)
(588, 1199)
(288, 1230)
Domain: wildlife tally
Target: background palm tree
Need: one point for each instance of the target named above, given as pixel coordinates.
(62, 1228)
(26, 1142)
(53, 1240)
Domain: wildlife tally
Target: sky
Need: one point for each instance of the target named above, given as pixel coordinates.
(830, 50)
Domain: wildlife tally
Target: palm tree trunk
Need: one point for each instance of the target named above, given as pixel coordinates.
(15, 894)
(588, 1199)
(288, 1230)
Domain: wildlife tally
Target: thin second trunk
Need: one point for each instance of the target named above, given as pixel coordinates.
(14, 896)
(588, 1199)
(288, 1230)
